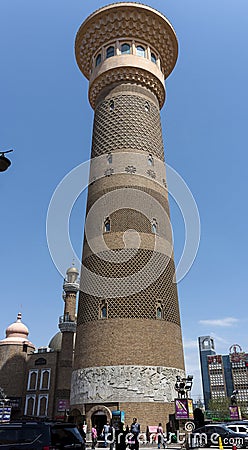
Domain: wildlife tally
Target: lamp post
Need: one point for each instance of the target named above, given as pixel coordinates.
(183, 386)
(184, 406)
(4, 162)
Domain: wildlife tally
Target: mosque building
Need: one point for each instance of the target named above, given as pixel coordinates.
(37, 382)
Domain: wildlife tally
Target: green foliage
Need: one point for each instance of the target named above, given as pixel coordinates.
(219, 408)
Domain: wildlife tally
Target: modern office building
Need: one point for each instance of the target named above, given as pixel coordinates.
(223, 374)
(128, 349)
(206, 348)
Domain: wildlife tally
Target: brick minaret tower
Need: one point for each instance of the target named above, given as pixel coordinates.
(129, 345)
(67, 326)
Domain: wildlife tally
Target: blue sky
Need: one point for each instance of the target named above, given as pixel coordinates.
(46, 118)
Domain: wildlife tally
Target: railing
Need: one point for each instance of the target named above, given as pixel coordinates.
(66, 318)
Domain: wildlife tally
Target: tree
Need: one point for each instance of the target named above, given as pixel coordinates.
(219, 408)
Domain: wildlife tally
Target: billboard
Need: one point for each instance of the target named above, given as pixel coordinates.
(184, 408)
(235, 413)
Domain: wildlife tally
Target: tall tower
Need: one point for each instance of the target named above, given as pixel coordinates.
(206, 348)
(129, 345)
(67, 326)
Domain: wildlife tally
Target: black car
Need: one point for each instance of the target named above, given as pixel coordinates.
(40, 436)
(209, 435)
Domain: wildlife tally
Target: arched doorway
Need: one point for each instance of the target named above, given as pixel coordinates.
(99, 419)
(76, 417)
(98, 415)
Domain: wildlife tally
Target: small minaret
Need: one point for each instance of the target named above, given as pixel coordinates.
(67, 326)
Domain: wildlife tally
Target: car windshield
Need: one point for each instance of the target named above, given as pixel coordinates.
(65, 435)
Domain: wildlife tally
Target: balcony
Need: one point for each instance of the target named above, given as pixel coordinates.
(66, 324)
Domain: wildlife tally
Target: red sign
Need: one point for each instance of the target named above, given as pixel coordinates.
(63, 404)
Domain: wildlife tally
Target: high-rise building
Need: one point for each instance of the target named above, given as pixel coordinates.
(206, 348)
(128, 349)
(223, 374)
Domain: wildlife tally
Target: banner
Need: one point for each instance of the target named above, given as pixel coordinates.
(235, 413)
(184, 408)
(5, 413)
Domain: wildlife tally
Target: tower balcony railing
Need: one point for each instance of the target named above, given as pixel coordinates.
(66, 324)
(65, 319)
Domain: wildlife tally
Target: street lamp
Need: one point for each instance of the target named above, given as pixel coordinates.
(4, 162)
(234, 397)
(184, 385)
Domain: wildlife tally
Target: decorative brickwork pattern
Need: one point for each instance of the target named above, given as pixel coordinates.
(129, 125)
(143, 304)
(115, 21)
(128, 75)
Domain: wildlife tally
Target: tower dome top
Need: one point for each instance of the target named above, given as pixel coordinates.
(126, 20)
(17, 333)
(72, 269)
(17, 328)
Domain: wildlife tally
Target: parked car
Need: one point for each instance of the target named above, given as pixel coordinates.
(209, 435)
(40, 436)
(238, 427)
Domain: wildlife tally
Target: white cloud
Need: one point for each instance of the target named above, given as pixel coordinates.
(225, 322)
(190, 343)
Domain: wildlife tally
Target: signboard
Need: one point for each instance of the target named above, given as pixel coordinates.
(63, 404)
(122, 416)
(190, 409)
(184, 408)
(117, 418)
(15, 402)
(235, 413)
(5, 413)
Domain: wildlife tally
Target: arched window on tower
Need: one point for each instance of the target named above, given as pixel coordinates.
(98, 59)
(109, 158)
(147, 107)
(159, 312)
(153, 58)
(103, 310)
(150, 160)
(140, 51)
(125, 48)
(111, 105)
(107, 225)
(154, 226)
(110, 51)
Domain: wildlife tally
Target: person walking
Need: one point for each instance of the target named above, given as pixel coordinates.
(105, 432)
(93, 437)
(135, 430)
(160, 436)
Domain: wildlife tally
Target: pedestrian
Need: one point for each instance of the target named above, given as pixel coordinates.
(111, 437)
(105, 432)
(135, 430)
(160, 435)
(81, 431)
(93, 436)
